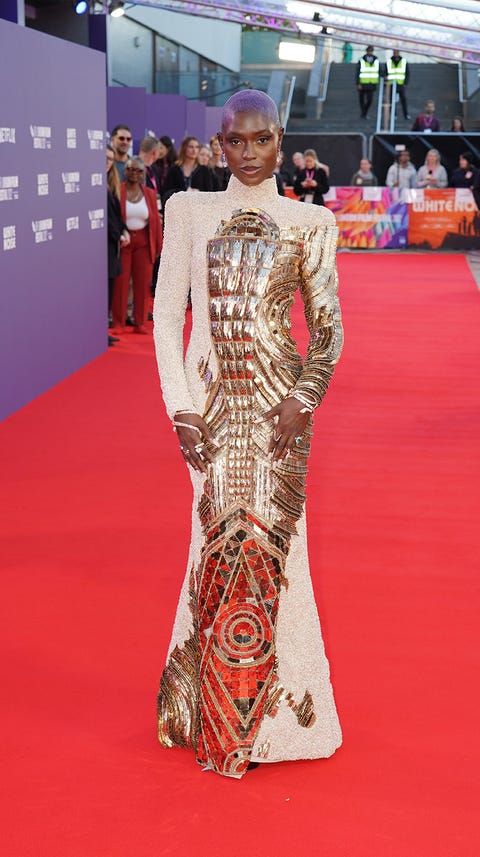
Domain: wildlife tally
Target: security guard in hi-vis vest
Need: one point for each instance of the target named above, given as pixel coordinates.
(368, 74)
(398, 70)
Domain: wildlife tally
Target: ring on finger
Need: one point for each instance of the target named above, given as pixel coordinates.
(198, 447)
(277, 437)
(186, 452)
(298, 439)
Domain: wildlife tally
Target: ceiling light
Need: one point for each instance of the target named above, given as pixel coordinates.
(117, 8)
(81, 7)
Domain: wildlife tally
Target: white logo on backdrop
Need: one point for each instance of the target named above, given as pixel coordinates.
(43, 230)
(9, 238)
(72, 223)
(42, 184)
(8, 188)
(41, 136)
(95, 138)
(71, 182)
(96, 216)
(97, 179)
(71, 138)
(7, 135)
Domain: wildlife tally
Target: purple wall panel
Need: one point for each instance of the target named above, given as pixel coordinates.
(127, 104)
(213, 121)
(167, 114)
(196, 111)
(53, 266)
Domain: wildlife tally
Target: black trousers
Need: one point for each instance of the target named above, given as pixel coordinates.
(365, 97)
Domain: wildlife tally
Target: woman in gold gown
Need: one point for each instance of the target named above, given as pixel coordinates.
(246, 678)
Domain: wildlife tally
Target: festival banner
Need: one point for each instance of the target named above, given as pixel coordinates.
(443, 218)
(369, 217)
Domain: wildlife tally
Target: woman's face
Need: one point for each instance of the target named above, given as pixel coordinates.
(365, 165)
(463, 163)
(110, 160)
(251, 142)
(204, 156)
(161, 149)
(456, 125)
(309, 162)
(216, 147)
(133, 173)
(191, 152)
(431, 161)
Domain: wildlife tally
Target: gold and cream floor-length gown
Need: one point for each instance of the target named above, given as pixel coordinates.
(246, 677)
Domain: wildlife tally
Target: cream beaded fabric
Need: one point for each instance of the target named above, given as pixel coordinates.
(246, 677)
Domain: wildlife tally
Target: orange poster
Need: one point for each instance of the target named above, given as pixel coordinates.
(443, 218)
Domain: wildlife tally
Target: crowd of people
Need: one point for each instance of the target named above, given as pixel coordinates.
(139, 187)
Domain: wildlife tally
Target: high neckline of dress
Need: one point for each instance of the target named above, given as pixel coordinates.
(252, 194)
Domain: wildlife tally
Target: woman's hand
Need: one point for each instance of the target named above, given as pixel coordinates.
(290, 424)
(191, 440)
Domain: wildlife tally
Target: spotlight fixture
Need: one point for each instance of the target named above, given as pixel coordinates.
(117, 8)
(81, 6)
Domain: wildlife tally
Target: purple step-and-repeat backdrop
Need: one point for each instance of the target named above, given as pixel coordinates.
(53, 260)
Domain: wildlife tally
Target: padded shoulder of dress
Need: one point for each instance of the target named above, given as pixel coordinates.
(308, 214)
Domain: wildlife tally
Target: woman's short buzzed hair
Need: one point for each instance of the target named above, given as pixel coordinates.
(248, 100)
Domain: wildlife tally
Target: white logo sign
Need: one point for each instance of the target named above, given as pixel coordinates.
(72, 223)
(95, 138)
(8, 188)
(96, 216)
(41, 136)
(71, 182)
(42, 184)
(9, 238)
(97, 179)
(7, 135)
(71, 138)
(42, 230)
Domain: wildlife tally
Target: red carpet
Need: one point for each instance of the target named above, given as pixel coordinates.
(95, 527)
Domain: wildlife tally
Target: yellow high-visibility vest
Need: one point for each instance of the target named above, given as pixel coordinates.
(397, 72)
(369, 72)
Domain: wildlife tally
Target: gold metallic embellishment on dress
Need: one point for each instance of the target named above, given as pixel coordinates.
(249, 509)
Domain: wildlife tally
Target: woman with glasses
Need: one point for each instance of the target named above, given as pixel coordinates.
(118, 236)
(140, 213)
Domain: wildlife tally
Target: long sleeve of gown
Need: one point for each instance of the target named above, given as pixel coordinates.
(322, 312)
(170, 305)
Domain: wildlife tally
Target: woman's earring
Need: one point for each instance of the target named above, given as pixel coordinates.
(224, 160)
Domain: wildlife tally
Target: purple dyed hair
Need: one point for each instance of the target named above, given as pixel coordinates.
(250, 100)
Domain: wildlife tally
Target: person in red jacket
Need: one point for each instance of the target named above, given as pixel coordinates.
(140, 214)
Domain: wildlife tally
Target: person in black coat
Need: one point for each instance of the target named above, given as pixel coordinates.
(187, 173)
(117, 231)
(312, 182)
(466, 175)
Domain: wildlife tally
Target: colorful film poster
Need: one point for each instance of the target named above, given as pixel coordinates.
(444, 218)
(369, 217)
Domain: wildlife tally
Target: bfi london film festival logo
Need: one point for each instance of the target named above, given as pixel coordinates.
(9, 238)
(72, 223)
(7, 135)
(8, 188)
(71, 182)
(97, 179)
(41, 136)
(43, 230)
(42, 184)
(95, 138)
(71, 138)
(96, 217)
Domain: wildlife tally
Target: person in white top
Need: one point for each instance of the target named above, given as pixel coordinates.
(402, 173)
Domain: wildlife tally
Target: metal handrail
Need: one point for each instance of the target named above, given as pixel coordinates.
(288, 102)
(326, 77)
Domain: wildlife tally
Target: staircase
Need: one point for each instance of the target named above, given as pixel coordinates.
(341, 111)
